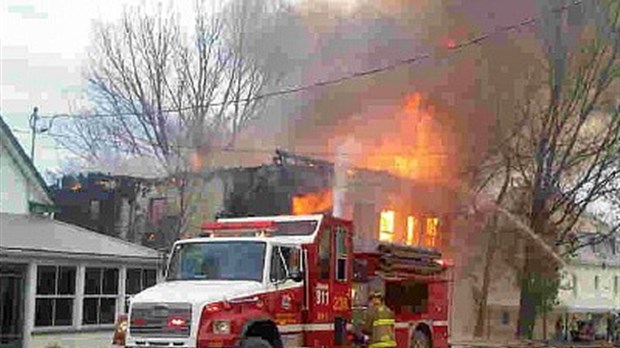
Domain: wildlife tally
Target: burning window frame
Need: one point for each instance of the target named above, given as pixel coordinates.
(387, 220)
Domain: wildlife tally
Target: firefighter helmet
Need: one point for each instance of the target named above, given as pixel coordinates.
(376, 294)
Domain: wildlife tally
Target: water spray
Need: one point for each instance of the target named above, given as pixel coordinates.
(520, 225)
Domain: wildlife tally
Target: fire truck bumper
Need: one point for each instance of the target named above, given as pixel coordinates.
(219, 341)
(160, 342)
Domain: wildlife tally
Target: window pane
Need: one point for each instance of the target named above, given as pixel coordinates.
(90, 310)
(277, 272)
(218, 261)
(341, 250)
(150, 278)
(341, 247)
(107, 311)
(324, 254)
(134, 276)
(295, 228)
(431, 233)
(341, 269)
(64, 312)
(110, 281)
(43, 312)
(293, 260)
(46, 280)
(92, 284)
(66, 281)
(386, 226)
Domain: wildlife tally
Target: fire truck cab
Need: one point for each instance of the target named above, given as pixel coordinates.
(286, 281)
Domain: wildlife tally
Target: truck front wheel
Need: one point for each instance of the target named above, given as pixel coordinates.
(420, 340)
(255, 342)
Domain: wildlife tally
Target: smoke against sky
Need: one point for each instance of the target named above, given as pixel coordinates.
(365, 35)
(312, 41)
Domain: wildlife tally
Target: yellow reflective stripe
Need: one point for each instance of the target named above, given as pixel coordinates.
(382, 344)
(383, 322)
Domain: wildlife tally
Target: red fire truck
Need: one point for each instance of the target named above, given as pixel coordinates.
(287, 281)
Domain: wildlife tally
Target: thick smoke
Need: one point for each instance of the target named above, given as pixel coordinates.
(463, 92)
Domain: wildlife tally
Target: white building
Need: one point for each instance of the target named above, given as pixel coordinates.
(591, 283)
(59, 284)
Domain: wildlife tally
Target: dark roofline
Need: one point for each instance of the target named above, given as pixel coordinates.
(15, 143)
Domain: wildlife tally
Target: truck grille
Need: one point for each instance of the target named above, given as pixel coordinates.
(152, 319)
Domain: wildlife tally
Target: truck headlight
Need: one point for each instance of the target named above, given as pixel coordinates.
(221, 327)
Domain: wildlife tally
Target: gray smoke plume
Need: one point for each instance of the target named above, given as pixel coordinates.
(314, 41)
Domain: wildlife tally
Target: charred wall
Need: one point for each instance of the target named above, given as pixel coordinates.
(269, 189)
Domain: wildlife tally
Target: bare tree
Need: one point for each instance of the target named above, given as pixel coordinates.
(169, 95)
(564, 156)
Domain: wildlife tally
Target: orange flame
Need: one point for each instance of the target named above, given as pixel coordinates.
(409, 143)
(312, 202)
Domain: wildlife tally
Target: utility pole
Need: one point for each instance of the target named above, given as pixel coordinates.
(33, 125)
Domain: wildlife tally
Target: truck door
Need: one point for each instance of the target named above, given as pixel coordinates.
(342, 257)
(330, 287)
(286, 292)
(320, 289)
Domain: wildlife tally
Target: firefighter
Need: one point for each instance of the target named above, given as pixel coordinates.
(379, 323)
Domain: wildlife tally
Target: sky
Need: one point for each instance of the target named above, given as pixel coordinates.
(43, 50)
(43, 47)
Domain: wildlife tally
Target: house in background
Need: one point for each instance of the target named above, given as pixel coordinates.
(113, 205)
(59, 283)
(591, 283)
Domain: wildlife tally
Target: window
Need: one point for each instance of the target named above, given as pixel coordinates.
(341, 254)
(138, 279)
(94, 210)
(431, 233)
(386, 232)
(55, 296)
(574, 285)
(279, 263)
(413, 233)
(218, 261)
(100, 292)
(505, 318)
(325, 247)
(597, 281)
(295, 228)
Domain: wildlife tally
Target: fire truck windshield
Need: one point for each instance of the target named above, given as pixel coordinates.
(215, 260)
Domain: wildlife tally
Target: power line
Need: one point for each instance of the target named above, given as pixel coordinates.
(272, 150)
(451, 50)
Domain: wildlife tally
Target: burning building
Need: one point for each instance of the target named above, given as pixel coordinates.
(382, 205)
